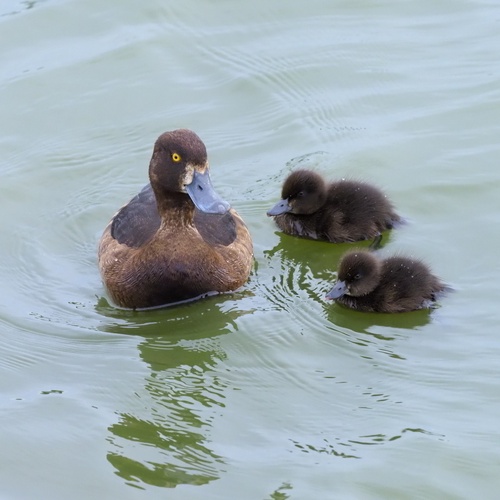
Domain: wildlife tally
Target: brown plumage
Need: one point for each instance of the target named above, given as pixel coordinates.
(177, 239)
(395, 284)
(341, 211)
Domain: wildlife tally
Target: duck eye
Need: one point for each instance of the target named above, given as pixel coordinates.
(357, 276)
(176, 157)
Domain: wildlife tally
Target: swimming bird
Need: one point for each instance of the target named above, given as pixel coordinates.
(367, 282)
(177, 239)
(341, 211)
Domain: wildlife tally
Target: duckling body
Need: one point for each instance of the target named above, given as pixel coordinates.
(176, 240)
(342, 211)
(395, 284)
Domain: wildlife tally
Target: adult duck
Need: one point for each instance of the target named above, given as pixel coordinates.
(177, 239)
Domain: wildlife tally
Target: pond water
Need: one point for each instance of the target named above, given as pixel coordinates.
(269, 392)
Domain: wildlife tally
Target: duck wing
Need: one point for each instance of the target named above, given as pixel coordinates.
(137, 222)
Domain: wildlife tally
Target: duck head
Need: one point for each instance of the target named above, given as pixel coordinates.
(179, 165)
(304, 192)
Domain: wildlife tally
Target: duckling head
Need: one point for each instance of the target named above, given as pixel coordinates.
(303, 193)
(359, 274)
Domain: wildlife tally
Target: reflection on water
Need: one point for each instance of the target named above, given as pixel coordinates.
(167, 444)
(372, 323)
(374, 330)
(319, 256)
(296, 265)
(166, 441)
(279, 493)
(337, 448)
(299, 268)
(326, 448)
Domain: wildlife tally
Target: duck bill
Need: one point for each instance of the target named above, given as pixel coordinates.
(204, 196)
(337, 291)
(282, 207)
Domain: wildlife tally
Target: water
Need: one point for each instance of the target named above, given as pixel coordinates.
(270, 392)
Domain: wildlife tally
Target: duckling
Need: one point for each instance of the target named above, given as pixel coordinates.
(177, 239)
(395, 284)
(342, 211)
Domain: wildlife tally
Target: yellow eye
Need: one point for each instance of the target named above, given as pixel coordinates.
(176, 157)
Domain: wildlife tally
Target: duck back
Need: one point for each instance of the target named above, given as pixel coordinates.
(355, 211)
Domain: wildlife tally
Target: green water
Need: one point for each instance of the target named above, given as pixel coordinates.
(270, 392)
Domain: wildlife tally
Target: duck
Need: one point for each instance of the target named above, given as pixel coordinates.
(338, 212)
(370, 283)
(177, 239)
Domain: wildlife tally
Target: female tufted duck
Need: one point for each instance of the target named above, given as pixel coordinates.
(341, 211)
(177, 239)
(395, 284)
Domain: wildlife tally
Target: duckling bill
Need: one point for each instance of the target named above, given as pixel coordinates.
(177, 239)
(395, 284)
(341, 211)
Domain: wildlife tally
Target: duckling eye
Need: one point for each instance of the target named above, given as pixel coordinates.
(357, 276)
(176, 157)
(296, 195)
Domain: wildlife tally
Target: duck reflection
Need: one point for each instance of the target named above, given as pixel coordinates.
(374, 331)
(299, 277)
(364, 322)
(319, 255)
(164, 441)
(298, 264)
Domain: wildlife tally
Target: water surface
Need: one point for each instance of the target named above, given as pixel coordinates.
(269, 392)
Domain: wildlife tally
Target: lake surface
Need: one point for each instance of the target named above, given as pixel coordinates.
(270, 392)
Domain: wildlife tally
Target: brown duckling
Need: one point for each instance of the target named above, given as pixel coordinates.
(177, 239)
(341, 211)
(395, 284)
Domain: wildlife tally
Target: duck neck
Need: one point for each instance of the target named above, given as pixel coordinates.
(176, 208)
